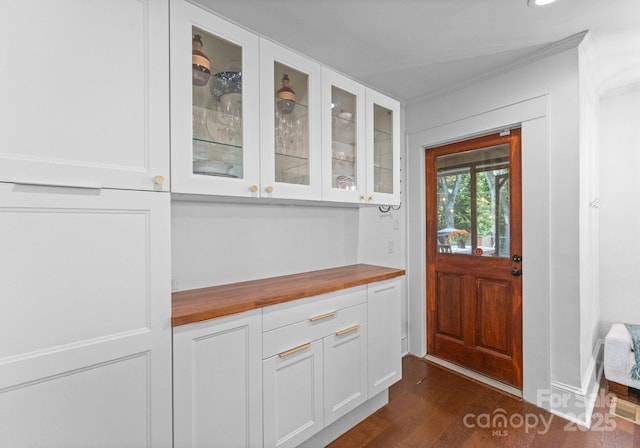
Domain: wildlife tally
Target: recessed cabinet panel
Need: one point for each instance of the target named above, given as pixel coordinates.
(218, 382)
(85, 93)
(345, 371)
(214, 110)
(293, 395)
(343, 137)
(385, 334)
(68, 252)
(87, 407)
(290, 124)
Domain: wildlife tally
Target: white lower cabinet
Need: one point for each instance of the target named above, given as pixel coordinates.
(315, 368)
(384, 314)
(85, 332)
(279, 375)
(293, 398)
(345, 371)
(218, 382)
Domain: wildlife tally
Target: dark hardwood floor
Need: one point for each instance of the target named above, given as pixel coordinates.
(434, 407)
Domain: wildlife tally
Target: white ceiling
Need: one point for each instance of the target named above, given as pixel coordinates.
(413, 49)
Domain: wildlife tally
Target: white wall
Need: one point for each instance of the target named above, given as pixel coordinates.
(217, 243)
(589, 212)
(619, 212)
(551, 203)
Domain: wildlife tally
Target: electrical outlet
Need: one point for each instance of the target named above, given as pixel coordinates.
(389, 247)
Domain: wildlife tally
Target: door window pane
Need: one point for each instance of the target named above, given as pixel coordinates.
(474, 202)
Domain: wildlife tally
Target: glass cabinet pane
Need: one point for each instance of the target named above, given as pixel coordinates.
(382, 149)
(291, 89)
(217, 106)
(344, 144)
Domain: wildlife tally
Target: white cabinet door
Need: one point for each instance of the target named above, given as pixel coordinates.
(85, 93)
(383, 149)
(292, 394)
(217, 382)
(385, 334)
(85, 331)
(343, 138)
(215, 143)
(290, 124)
(345, 371)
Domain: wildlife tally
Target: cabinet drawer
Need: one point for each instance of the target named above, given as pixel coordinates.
(295, 335)
(318, 307)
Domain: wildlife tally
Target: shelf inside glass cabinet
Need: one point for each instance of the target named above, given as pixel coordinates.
(212, 158)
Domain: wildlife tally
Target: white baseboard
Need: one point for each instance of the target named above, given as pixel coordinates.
(405, 346)
(573, 403)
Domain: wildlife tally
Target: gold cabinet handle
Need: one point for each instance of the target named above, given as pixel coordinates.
(295, 349)
(348, 330)
(322, 316)
(253, 188)
(269, 189)
(371, 198)
(363, 197)
(158, 180)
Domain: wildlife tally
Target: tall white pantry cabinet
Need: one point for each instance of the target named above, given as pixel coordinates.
(85, 301)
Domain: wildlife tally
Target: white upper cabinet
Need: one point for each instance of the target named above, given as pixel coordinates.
(290, 124)
(85, 94)
(215, 145)
(343, 138)
(250, 118)
(383, 149)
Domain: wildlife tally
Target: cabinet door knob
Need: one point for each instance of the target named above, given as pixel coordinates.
(253, 188)
(158, 180)
(371, 198)
(269, 189)
(363, 197)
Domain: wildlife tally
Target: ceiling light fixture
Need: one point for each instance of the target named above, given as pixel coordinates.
(534, 3)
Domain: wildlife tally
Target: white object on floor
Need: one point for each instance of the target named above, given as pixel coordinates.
(619, 356)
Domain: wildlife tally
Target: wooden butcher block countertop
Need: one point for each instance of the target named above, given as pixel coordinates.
(206, 303)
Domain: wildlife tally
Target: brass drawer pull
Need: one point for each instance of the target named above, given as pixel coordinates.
(295, 349)
(323, 316)
(348, 330)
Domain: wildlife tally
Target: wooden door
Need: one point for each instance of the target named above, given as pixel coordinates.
(474, 258)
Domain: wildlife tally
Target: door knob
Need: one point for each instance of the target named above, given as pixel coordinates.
(516, 272)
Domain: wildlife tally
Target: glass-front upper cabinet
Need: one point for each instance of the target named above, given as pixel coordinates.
(214, 105)
(383, 149)
(343, 138)
(290, 124)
